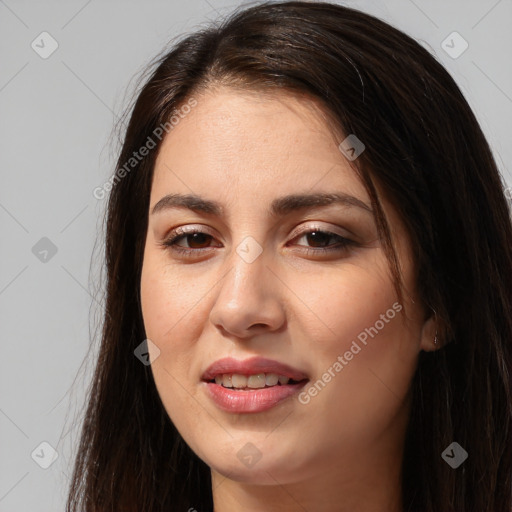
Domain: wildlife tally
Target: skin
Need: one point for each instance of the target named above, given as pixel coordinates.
(342, 450)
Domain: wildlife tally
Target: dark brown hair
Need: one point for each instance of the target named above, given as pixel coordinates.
(426, 152)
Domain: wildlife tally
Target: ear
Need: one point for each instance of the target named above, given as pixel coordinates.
(428, 335)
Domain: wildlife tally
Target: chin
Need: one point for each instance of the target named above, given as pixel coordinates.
(259, 474)
(266, 470)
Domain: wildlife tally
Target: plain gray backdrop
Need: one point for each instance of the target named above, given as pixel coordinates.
(58, 106)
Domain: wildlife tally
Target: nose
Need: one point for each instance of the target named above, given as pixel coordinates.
(248, 300)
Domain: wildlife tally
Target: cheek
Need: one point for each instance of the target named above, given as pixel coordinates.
(167, 299)
(362, 353)
(171, 303)
(344, 304)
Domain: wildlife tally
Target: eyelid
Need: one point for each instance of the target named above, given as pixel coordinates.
(189, 228)
(171, 242)
(192, 228)
(315, 226)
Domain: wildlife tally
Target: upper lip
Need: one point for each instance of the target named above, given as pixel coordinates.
(251, 366)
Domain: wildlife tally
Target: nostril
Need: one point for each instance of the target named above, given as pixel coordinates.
(257, 326)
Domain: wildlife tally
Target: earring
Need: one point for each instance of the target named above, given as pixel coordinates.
(436, 339)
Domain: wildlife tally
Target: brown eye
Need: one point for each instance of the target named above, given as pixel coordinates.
(319, 240)
(196, 239)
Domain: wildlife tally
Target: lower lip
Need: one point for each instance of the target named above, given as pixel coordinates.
(254, 400)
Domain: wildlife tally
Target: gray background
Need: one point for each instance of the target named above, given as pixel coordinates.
(56, 120)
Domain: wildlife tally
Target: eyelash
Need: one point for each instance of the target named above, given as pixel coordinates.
(180, 233)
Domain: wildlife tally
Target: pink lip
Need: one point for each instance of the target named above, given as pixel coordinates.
(253, 400)
(251, 366)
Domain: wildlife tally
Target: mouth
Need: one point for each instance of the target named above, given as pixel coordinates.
(249, 369)
(252, 385)
(239, 382)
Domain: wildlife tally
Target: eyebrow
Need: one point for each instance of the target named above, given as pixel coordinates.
(279, 208)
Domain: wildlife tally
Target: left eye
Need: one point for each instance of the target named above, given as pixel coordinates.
(317, 236)
(197, 239)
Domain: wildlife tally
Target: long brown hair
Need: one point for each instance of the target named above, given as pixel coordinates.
(426, 152)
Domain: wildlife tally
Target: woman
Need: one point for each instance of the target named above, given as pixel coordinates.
(308, 282)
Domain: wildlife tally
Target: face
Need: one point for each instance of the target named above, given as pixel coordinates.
(303, 284)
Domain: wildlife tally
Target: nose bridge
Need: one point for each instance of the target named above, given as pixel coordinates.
(248, 267)
(247, 297)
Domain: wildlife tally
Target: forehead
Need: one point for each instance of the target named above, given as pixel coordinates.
(246, 139)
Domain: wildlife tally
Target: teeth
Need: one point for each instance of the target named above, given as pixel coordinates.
(239, 381)
(257, 381)
(271, 379)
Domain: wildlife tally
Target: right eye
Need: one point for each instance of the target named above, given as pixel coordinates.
(193, 237)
